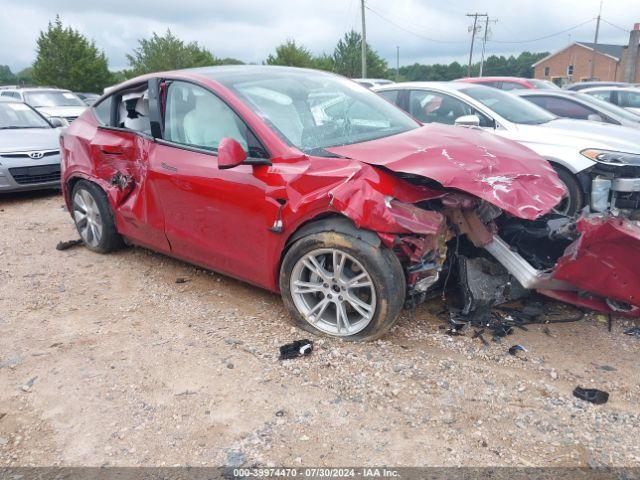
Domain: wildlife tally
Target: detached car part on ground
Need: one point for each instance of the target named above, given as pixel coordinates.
(304, 183)
(599, 164)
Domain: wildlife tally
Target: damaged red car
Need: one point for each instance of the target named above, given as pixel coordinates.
(304, 183)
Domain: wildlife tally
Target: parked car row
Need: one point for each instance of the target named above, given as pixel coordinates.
(598, 163)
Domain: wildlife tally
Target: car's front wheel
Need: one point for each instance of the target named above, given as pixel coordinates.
(338, 285)
(93, 217)
(574, 201)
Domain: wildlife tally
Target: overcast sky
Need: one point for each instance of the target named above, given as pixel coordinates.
(250, 29)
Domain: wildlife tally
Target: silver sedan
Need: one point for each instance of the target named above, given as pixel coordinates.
(29, 148)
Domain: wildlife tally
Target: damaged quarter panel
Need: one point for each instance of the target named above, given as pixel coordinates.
(499, 171)
(118, 161)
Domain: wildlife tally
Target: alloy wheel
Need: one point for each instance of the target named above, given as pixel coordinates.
(333, 292)
(87, 217)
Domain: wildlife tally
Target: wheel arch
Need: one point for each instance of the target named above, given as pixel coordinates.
(326, 222)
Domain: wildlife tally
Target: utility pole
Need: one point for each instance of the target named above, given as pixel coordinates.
(484, 42)
(595, 45)
(364, 43)
(397, 63)
(473, 37)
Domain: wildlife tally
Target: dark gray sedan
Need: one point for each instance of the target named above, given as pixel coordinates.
(29, 148)
(580, 106)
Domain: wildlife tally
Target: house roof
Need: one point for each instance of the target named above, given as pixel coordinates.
(612, 51)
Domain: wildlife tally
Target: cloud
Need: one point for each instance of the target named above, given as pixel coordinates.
(250, 30)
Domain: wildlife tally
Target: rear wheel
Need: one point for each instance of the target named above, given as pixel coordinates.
(93, 218)
(340, 286)
(574, 201)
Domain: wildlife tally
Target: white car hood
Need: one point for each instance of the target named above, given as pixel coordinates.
(579, 134)
(29, 139)
(61, 111)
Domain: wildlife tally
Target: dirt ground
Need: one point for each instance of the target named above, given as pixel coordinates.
(106, 360)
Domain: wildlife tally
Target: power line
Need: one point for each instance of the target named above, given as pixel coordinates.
(614, 25)
(473, 30)
(546, 36)
(409, 31)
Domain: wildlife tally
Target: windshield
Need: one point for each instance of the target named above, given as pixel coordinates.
(509, 107)
(543, 84)
(19, 115)
(609, 107)
(52, 98)
(316, 110)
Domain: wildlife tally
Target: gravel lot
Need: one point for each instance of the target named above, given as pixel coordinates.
(105, 360)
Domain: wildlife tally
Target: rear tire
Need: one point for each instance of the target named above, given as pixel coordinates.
(93, 217)
(574, 201)
(360, 302)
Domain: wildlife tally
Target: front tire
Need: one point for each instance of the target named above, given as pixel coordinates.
(337, 285)
(574, 201)
(93, 218)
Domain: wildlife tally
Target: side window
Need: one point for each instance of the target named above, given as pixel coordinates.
(103, 111)
(6, 94)
(429, 107)
(629, 99)
(196, 117)
(564, 107)
(602, 95)
(390, 96)
(133, 111)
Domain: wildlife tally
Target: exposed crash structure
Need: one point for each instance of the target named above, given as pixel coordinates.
(453, 210)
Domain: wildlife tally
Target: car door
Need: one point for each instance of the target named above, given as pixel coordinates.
(217, 218)
(119, 150)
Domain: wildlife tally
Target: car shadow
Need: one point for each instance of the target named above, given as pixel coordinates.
(9, 198)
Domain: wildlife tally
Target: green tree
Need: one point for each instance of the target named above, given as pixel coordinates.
(292, 55)
(347, 58)
(67, 59)
(6, 75)
(324, 62)
(167, 52)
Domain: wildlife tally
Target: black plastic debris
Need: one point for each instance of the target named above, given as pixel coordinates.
(633, 331)
(181, 280)
(68, 244)
(592, 395)
(515, 349)
(299, 348)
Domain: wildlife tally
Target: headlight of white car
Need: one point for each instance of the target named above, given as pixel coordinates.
(611, 158)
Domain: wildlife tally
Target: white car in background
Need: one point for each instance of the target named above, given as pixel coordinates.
(625, 97)
(50, 102)
(598, 163)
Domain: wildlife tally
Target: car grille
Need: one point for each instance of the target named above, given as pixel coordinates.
(36, 174)
(46, 153)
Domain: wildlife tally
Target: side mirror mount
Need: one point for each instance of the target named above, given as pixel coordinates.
(58, 122)
(468, 121)
(594, 117)
(230, 153)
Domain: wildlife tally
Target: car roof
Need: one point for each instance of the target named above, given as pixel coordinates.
(492, 79)
(550, 91)
(449, 86)
(41, 89)
(612, 87)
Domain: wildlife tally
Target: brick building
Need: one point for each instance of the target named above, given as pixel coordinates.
(620, 63)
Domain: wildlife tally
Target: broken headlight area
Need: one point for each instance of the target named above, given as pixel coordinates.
(613, 187)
